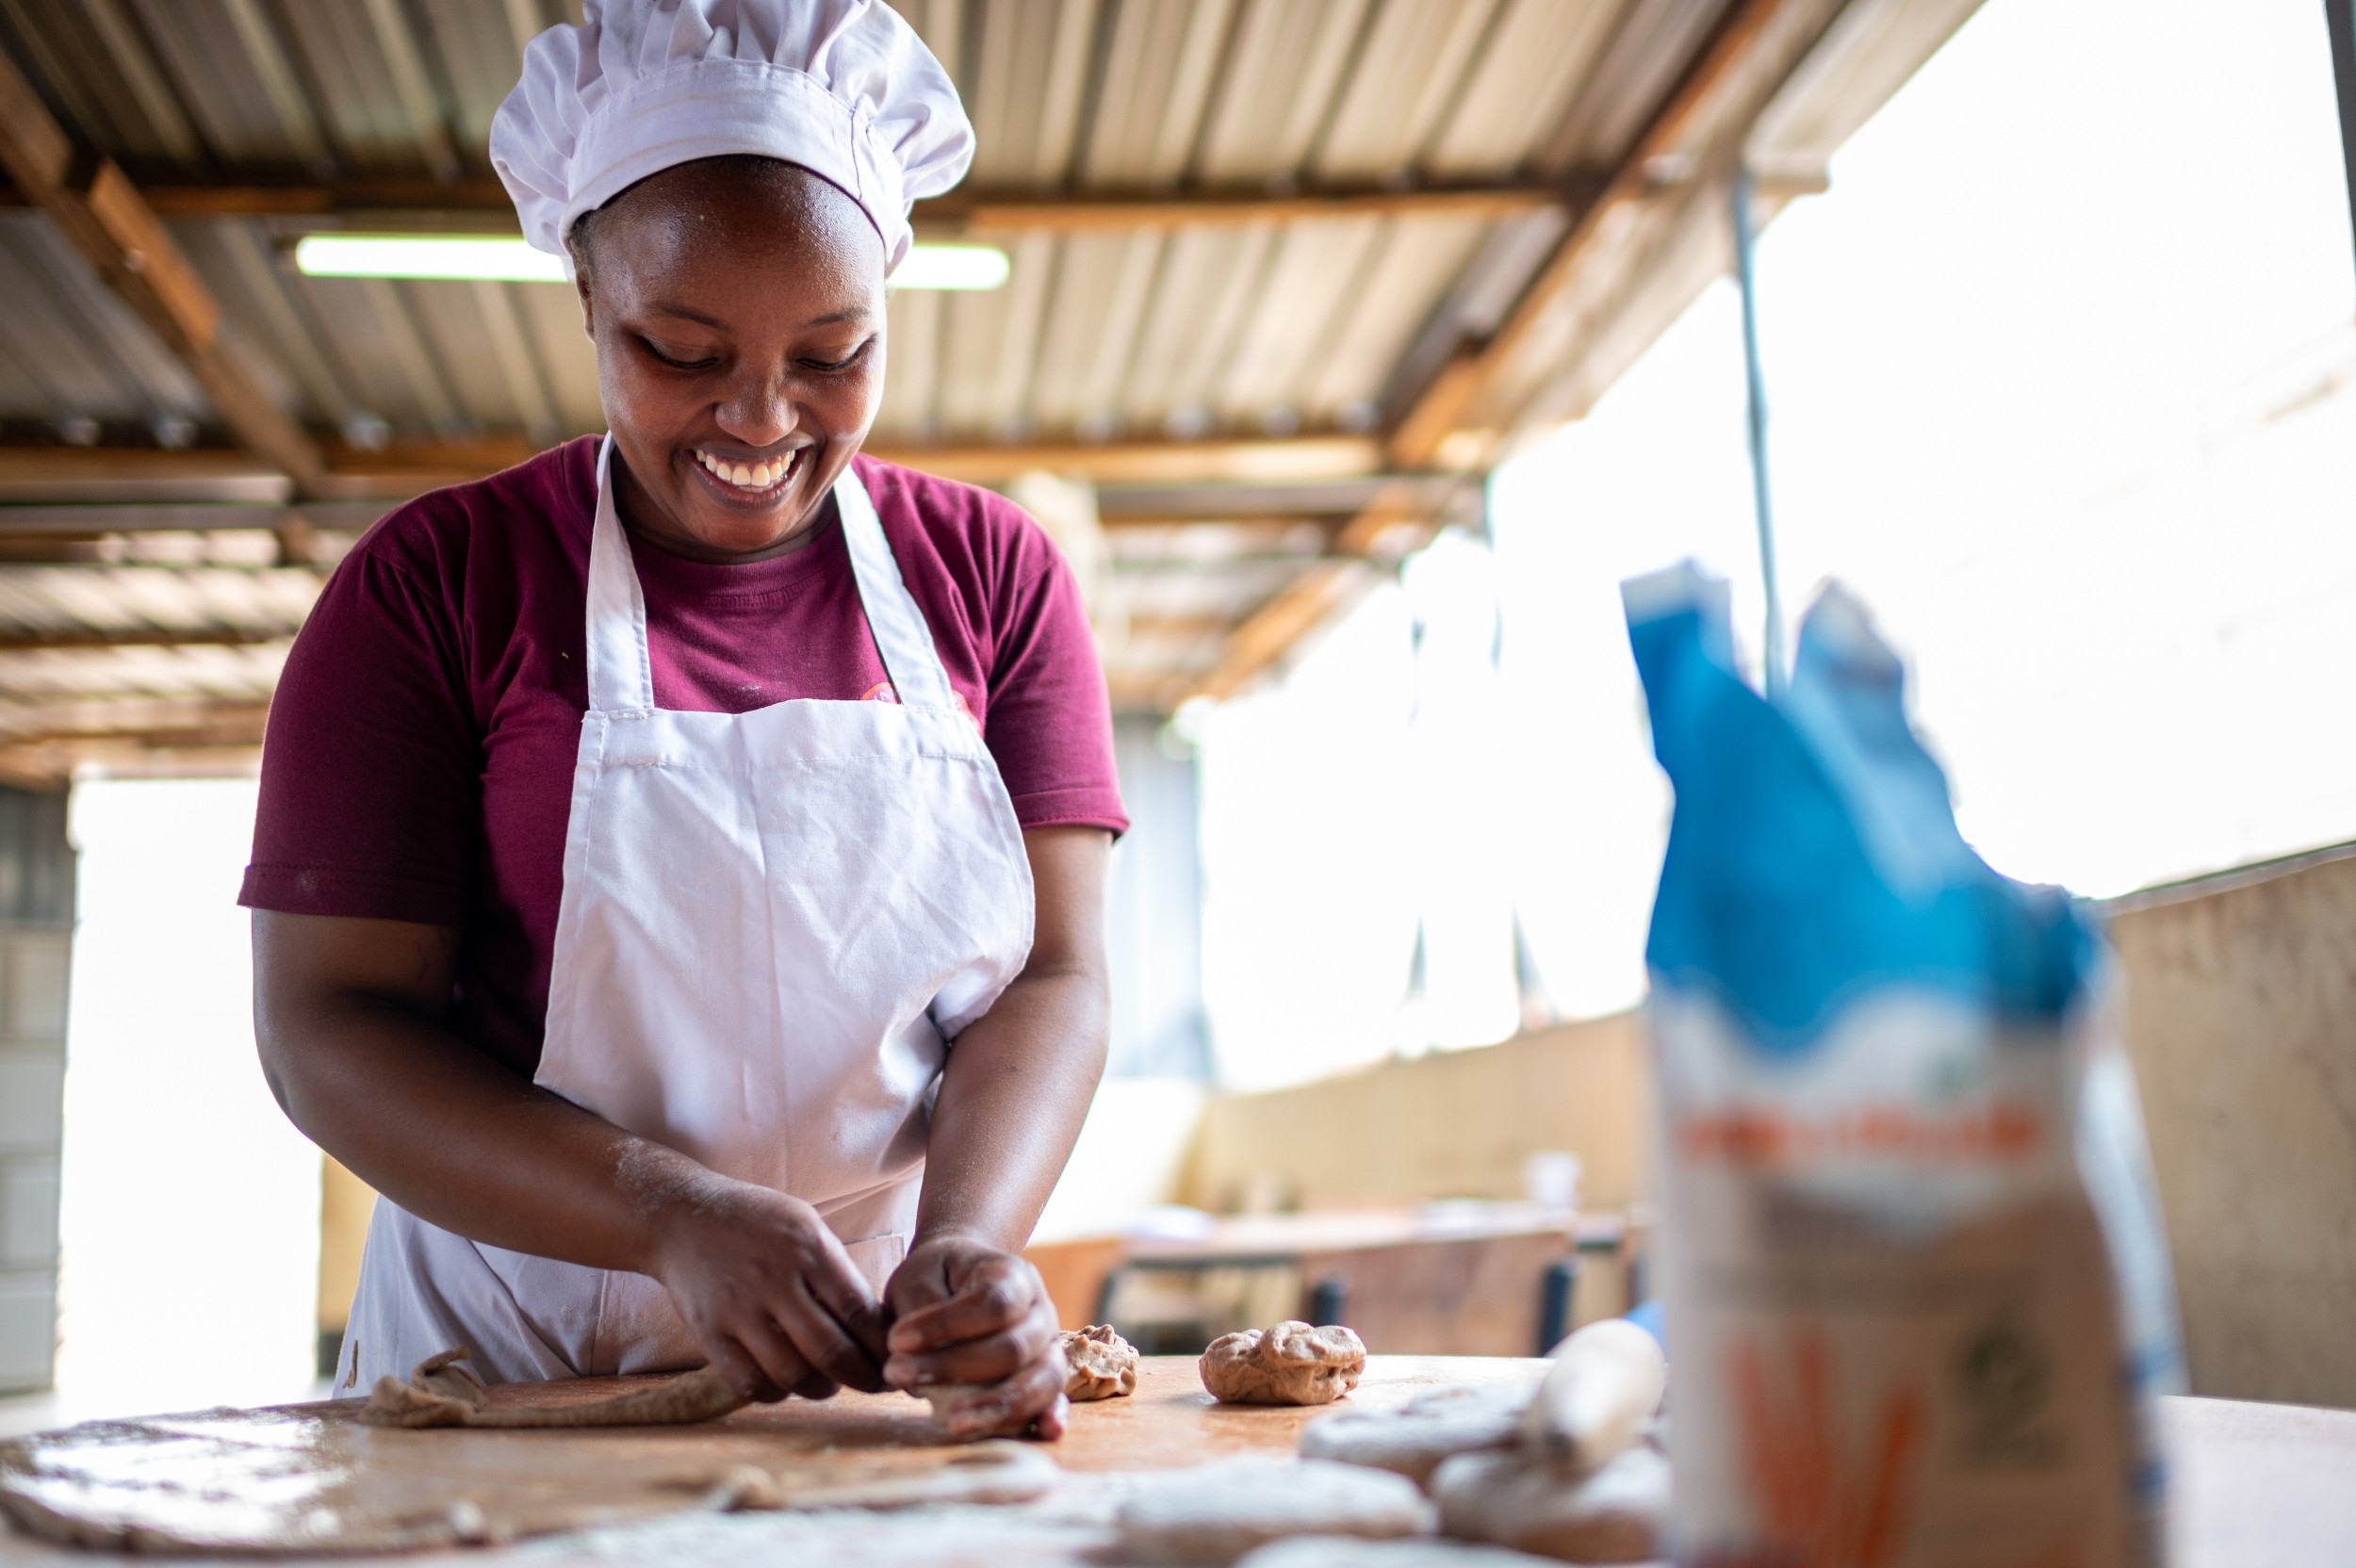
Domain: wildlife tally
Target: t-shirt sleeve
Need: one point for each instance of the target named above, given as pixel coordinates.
(1049, 722)
(371, 767)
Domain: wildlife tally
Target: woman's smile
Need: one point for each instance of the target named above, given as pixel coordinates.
(738, 481)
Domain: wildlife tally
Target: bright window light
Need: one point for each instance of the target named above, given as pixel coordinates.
(508, 258)
(971, 268)
(504, 257)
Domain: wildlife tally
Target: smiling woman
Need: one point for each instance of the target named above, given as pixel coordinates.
(737, 306)
(678, 869)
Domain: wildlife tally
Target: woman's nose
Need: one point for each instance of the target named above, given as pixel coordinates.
(758, 413)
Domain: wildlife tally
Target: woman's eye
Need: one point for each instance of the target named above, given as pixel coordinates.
(681, 361)
(848, 360)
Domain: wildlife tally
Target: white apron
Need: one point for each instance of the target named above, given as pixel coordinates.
(772, 923)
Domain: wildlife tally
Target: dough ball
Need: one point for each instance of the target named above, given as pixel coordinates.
(1432, 1427)
(1291, 1363)
(1103, 1365)
(1215, 1513)
(1533, 1504)
(1341, 1551)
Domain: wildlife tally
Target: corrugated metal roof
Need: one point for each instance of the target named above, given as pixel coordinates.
(1240, 324)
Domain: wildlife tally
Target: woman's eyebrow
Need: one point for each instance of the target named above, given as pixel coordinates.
(688, 313)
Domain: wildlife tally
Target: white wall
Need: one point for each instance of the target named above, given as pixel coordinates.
(189, 1211)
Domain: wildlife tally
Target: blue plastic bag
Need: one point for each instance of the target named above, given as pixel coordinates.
(1911, 1254)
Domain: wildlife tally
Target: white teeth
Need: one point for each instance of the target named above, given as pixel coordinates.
(749, 476)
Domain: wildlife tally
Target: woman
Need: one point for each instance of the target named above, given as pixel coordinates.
(639, 826)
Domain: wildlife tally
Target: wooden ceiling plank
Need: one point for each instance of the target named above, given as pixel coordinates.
(103, 217)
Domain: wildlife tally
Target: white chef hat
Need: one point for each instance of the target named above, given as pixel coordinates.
(844, 88)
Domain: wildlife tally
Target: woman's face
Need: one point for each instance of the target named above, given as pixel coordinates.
(737, 305)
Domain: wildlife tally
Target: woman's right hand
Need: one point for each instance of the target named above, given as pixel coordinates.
(770, 1294)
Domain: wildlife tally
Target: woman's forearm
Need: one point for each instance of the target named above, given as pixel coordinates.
(1019, 1080)
(434, 1125)
(1012, 1097)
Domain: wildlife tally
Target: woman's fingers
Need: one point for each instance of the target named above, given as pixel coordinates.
(784, 1369)
(742, 1371)
(997, 1294)
(841, 1291)
(987, 1360)
(824, 1341)
(1032, 1399)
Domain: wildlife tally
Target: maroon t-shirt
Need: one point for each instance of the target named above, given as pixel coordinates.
(419, 760)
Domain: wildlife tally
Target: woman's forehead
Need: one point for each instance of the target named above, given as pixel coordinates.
(719, 213)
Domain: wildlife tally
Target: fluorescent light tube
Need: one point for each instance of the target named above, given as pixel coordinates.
(508, 258)
(965, 267)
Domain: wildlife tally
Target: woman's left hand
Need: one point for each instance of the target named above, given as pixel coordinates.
(968, 1314)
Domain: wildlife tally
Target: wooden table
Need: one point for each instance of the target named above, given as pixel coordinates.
(2259, 1486)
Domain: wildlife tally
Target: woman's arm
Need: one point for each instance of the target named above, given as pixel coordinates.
(967, 1308)
(348, 1013)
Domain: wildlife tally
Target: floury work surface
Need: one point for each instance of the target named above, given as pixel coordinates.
(2258, 1486)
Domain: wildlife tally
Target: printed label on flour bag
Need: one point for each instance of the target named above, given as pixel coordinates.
(1918, 1297)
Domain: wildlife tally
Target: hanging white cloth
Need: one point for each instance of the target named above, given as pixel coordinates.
(772, 925)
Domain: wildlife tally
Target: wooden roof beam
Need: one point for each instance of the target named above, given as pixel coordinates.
(1443, 427)
(103, 217)
(476, 204)
(1273, 630)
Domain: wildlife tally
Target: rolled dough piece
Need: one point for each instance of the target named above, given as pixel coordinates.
(1215, 1513)
(1341, 1551)
(1432, 1427)
(1605, 1382)
(1103, 1365)
(441, 1393)
(1291, 1363)
(1533, 1504)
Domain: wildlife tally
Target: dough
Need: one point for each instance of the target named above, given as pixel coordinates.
(1530, 1503)
(1432, 1427)
(1291, 1363)
(1341, 1551)
(1217, 1512)
(1605, 1384)
(1103, 1365)
(441, 1393)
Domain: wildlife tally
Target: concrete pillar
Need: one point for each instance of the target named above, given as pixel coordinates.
(36, 935)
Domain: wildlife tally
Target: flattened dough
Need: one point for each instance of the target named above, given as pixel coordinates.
(1103, 1364)
(441, 1393)
(1291, 1363)
(1529, 1503)
(1215, 1513)
(311, 1481)
(1432, 1427)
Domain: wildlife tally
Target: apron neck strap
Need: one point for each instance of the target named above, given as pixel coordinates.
(621, 672)
(902, 636)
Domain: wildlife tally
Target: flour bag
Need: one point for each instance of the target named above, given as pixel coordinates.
(1918, 1295)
